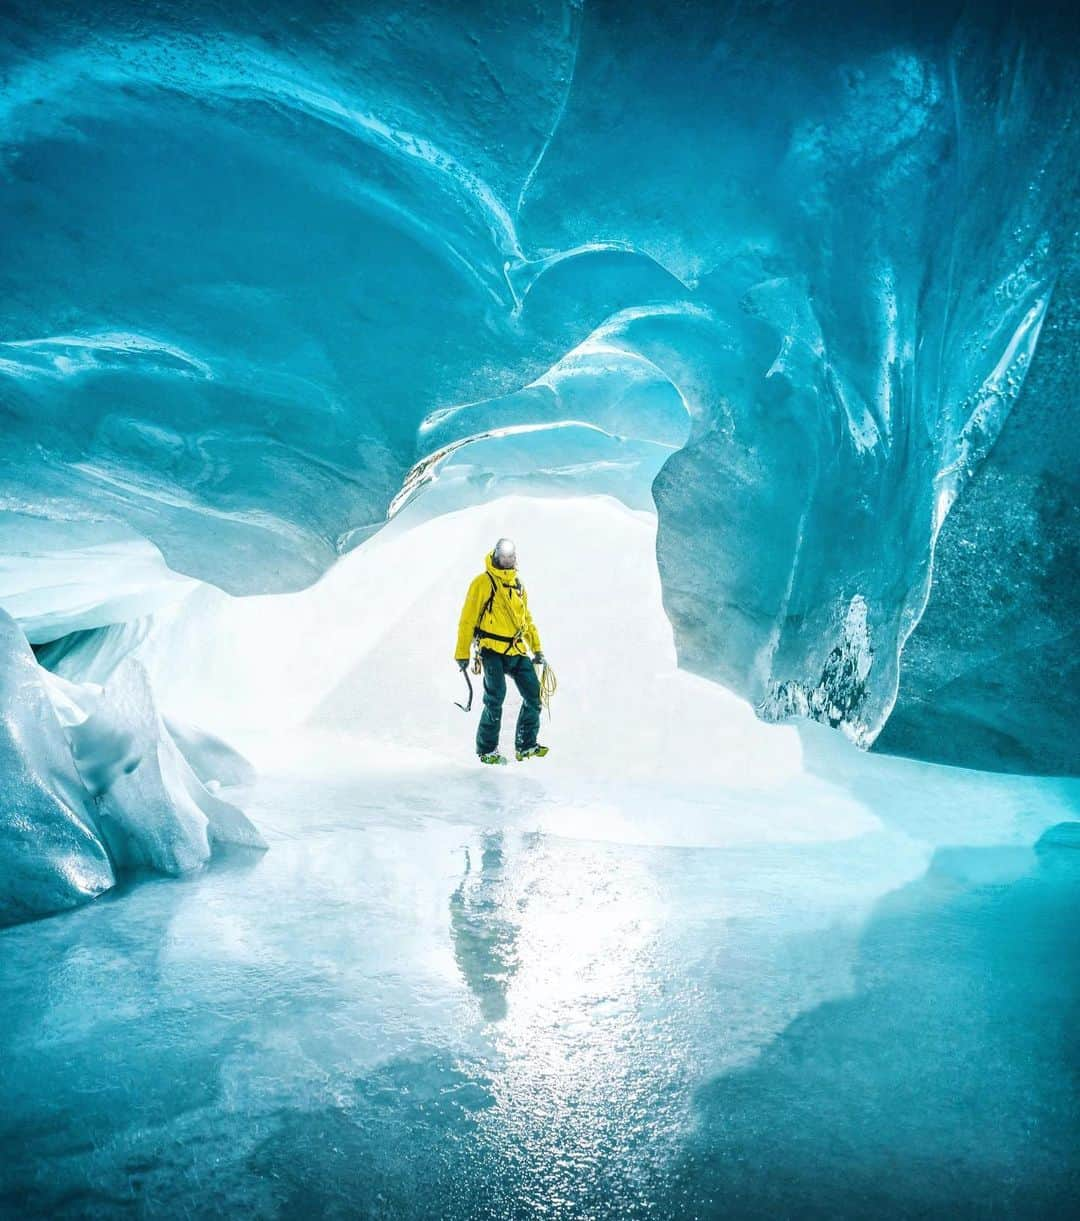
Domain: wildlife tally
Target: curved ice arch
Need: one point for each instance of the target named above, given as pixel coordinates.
(841, 263)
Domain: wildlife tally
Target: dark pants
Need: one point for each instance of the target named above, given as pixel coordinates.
(496, 667)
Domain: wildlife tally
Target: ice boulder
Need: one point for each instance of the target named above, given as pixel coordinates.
(51, 856)
(159, 814)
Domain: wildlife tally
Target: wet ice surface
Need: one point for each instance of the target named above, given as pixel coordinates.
(445, 992)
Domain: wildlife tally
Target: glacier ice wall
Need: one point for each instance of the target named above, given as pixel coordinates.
(269, 273)
(995, 683)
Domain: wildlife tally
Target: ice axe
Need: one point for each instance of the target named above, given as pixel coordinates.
(468, 683)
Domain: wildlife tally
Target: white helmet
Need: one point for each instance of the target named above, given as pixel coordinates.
(504, 553)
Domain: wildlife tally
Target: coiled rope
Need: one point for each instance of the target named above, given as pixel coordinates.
(548, 686)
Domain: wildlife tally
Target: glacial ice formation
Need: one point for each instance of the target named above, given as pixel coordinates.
(95, 780)
(51, 855)
(988, 675)
(58, 577)
(269, 276)
(160, 815)
(670, 963)
(756, 325)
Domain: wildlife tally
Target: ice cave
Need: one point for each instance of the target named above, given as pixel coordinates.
(755, 325)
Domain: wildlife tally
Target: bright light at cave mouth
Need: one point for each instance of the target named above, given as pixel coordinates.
(754, 328)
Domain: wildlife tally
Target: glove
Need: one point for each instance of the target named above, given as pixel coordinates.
(539, 659)
(462, 664)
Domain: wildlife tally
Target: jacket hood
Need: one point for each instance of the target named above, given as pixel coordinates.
(506, 575)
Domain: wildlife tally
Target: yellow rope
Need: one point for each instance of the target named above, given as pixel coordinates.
(548, 686)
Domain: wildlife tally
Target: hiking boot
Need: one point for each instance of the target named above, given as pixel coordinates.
(532, 752)
(495, 757)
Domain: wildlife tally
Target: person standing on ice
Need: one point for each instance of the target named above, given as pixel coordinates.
(496, 625)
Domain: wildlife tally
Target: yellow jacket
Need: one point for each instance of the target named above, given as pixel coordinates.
(509, 613)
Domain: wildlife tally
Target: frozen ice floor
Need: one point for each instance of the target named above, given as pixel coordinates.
(454, 992)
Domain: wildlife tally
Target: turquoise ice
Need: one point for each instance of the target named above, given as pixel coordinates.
(755, 325)
(261, 268)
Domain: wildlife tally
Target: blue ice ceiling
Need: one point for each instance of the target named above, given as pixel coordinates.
(269, 272)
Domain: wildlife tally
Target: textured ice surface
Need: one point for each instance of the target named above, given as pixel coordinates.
(50, 854)
(995, 683)
(259, 268)
(448, 992)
